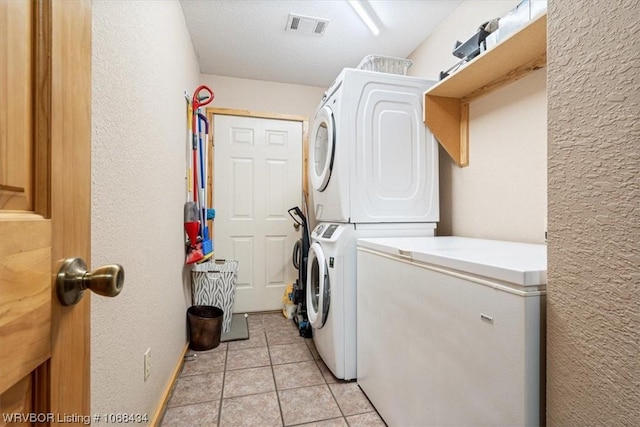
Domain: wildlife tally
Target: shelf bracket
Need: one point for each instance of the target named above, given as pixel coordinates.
(448, 119)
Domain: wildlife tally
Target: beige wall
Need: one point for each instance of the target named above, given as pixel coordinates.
(142, 62)
(502, 193)
(593, 300)
(263, 96)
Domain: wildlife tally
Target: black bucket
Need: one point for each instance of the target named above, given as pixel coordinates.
(205, 326)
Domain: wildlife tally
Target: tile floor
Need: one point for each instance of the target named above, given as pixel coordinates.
(275, 378)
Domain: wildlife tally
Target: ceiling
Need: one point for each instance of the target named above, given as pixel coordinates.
(247, 38)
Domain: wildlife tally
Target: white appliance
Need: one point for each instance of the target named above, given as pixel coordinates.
(331, 287)
(371, 157)
(451, 330)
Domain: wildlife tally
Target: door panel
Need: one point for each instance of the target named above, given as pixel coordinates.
(45, 200)
(18, 399)
(25, 307)
(278, 255)
(17, 26)
(242, 194)
(257, 178)
(242, 249)
(276, 188)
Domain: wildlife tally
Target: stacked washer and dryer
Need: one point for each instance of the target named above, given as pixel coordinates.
(373, 167)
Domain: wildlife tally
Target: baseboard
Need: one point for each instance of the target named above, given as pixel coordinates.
(164, 399)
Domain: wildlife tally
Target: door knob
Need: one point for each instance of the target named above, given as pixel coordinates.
(73, 279)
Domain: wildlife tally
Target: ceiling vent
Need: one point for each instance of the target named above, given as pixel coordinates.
(307, 24)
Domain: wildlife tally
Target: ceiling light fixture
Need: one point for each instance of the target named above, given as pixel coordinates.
(365, 13)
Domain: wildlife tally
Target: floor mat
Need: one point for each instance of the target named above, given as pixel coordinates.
(239, 329)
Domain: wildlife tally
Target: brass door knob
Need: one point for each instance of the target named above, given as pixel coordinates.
(73, 279)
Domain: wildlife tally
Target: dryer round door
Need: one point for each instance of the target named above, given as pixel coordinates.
(318, 287)
(323, 139)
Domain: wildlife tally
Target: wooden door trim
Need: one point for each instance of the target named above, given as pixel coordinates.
(69, 383)
(210, 112)
(254, 114)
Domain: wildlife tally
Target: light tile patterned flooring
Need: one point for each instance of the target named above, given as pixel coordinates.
(275, 378)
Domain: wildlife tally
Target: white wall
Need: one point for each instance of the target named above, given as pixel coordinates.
(502, 193)
(143, 60)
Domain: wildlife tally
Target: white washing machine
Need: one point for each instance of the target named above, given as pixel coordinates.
(371, 157)
(331, 287)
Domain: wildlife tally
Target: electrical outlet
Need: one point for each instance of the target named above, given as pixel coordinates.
(147, 363)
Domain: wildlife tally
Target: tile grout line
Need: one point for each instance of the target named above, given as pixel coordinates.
(224, 374)
(318, 421)
(273, 375)
(337, 404)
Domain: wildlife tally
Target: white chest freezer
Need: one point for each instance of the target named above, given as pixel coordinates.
(451, 330)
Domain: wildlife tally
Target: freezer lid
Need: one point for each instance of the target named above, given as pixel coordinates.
(523, 264)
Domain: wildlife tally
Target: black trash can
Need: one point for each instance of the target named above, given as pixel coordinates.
(205, 326)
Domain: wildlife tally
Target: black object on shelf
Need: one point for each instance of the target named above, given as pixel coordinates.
(444, 74)
(471, 48)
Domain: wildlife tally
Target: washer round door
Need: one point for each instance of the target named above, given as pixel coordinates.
(318, 287)
(323, 139)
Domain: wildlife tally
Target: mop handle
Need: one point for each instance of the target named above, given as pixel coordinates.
(201, 118)
(201, 100)
(203, 95)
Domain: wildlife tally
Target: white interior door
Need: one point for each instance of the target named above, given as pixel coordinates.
(257, 178)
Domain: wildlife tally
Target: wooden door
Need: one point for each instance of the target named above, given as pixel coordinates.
(45, 201)
(257, 178)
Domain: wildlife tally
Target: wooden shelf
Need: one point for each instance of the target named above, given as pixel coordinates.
(446, 105)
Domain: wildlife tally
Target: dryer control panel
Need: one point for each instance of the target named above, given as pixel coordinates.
(328, 231)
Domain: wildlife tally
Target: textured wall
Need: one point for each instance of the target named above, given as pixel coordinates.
(593, 301)
(502, 194)
(143, 60)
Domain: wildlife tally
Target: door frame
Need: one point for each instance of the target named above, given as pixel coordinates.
(304, 120)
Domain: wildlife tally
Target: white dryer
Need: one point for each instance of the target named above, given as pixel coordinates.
(331, 287)
(371, 157)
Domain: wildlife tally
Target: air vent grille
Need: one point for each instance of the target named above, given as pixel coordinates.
(306, 24)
